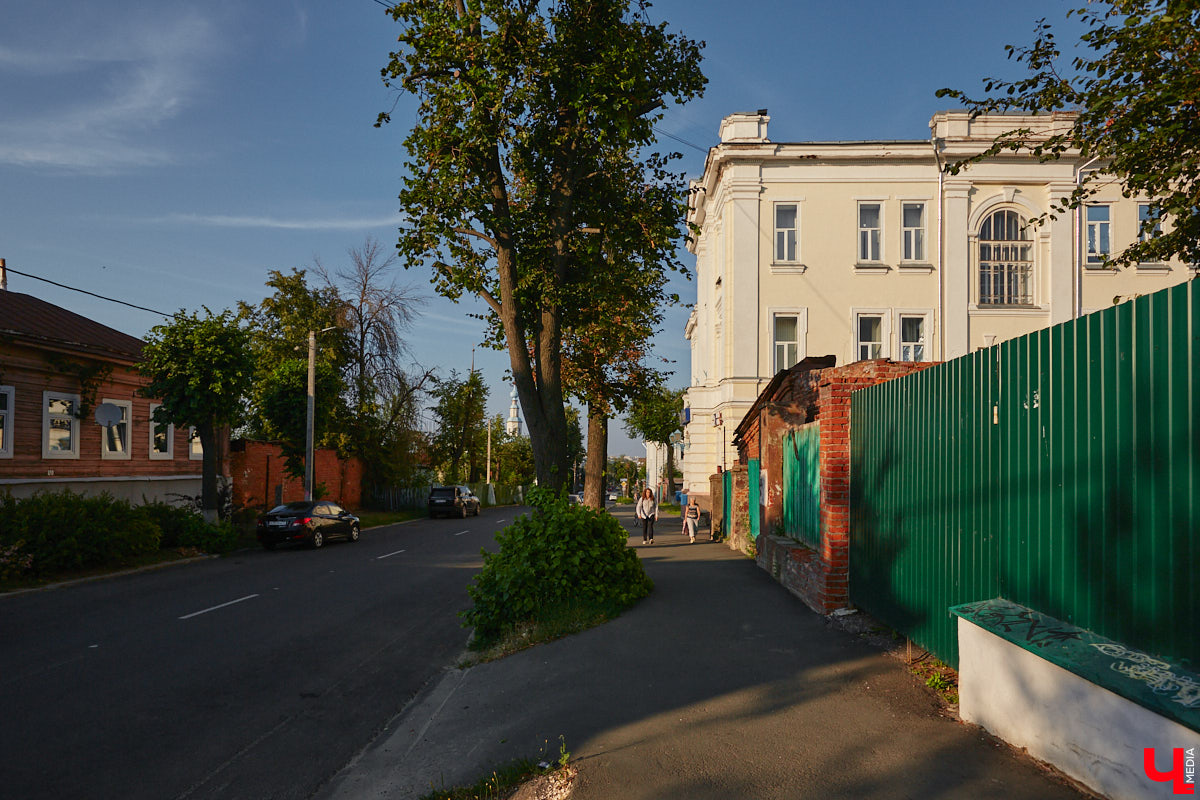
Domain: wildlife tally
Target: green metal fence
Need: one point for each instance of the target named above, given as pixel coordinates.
(802, 484)
(754, 490)
(1060, 470)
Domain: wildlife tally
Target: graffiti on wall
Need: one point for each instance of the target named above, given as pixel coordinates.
(1155, 673)
(1036, 629)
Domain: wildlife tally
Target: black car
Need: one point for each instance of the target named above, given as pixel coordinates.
(310, 522)
(456, 501)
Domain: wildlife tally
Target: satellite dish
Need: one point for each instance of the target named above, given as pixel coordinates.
(108, 414)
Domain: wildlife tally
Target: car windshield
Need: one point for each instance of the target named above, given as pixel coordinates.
(445, 491)
(294, 506)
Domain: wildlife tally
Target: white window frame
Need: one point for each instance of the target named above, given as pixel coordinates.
(155, 455)
(195, 448)
(776, 230)
(859, 230)
(126, 407)
(7, 427)
(1004, 263)
(885, 322)
(47, 453)
(908, 236)
(801, 316)
(1097, 231)
(926, 315)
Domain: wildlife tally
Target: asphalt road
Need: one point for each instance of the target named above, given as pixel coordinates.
(253, 676)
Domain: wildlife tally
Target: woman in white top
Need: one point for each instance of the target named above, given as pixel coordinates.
(647, 512)
(691, 518)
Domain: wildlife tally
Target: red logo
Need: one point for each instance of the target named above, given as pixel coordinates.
(1182, 773)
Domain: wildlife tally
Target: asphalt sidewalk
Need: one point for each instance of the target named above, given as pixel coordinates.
(718, 685)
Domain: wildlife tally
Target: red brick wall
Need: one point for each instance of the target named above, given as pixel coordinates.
(259, 479)
(822, 578)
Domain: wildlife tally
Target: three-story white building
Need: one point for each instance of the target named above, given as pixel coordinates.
(871, 249)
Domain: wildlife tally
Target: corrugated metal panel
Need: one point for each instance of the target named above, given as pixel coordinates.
(754, 490)
(802, 484)
(1059, 470)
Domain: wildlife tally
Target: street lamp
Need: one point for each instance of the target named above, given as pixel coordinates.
(308, 425)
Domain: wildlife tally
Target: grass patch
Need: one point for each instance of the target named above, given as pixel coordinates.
(554, 622)
(668, 510)
(372, 519)
(503, 780)
(137, 562)
(937, 676)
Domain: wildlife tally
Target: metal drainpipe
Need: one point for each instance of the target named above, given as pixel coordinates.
(941, 323)
(1076, 249)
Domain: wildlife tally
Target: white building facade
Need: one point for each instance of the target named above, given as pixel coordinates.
(869, 250)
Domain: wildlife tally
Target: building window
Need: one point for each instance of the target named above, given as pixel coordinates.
(162, 436)
(1147, 214)
(914, 231)
(60, 427)
(869, 219)
(912, 337)
(7, 397)
(195, 449)
(787, 232)
(114, 439)
(787, 341)
(1099, 241)
(870, 336)
(1005, 260)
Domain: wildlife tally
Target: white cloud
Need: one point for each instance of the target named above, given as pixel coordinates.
(86, 96)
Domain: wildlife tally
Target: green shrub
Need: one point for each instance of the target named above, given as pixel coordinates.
(558, 555)
(180, 525)
(216, 539)
(64, 531)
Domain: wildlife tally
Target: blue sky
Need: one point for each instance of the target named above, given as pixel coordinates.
(171, 153)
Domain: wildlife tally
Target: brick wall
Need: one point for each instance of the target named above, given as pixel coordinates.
(259, 479)
(821, 577)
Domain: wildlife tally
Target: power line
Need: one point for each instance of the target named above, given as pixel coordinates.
(681, 141)
(85, 291)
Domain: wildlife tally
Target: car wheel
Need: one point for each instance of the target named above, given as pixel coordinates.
(354, 533)
(464, 511)
(477, 511)
(318, 538)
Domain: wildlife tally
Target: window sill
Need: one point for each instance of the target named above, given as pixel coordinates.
(916, 267)
(1153, 267)
(871, 268)
(788, 267)
(1099, 269)
(1005, 310)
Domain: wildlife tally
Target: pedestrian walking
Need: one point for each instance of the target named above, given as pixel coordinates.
(691, 518)
(647, 512)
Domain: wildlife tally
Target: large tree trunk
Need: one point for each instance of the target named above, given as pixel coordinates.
(595, 476)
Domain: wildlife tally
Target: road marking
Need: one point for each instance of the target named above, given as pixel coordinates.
(389, 555)
(501, 520)
(223, 605)
(460, 533)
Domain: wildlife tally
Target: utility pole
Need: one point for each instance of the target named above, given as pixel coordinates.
(310, 412)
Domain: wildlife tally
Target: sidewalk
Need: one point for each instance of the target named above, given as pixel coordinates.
(718, 685)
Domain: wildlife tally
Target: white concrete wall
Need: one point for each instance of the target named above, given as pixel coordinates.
(1095, 736)
(134, 489)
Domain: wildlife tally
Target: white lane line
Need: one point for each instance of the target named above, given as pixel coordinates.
(223, 605)
(501, 520)
(389, 555)
(460, 533)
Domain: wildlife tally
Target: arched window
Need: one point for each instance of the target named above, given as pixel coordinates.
(1005, 260)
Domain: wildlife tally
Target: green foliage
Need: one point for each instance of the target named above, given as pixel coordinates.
(1136, 87)
(56, 532)
(558, 555)
(531, 182)
(66, 531)
(282, 400)
(459, 447)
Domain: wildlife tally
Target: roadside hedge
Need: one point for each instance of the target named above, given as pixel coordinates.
(54, 532)
(560, 554)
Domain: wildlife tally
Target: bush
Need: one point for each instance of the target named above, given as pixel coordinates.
(559, 555)
(181, 526)
(62, 531)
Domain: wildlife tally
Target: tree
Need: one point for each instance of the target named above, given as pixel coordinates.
(381, 392)
(520, 103)
(1137, 97)
(459, 446)
(283, 406)
(201, 367)
(655, 416)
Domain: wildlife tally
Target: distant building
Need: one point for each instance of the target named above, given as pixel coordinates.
(56, 369)
(513, 426)
(868, 249)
